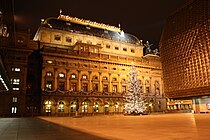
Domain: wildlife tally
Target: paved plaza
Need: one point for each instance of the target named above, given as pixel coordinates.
(119, 127)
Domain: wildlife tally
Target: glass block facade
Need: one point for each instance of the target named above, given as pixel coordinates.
(185, 51)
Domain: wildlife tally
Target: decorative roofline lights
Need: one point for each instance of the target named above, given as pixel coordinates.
(89, 23)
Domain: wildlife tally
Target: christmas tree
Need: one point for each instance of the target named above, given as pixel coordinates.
(134, 99)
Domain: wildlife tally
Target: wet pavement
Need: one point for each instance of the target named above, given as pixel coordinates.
(119, 127)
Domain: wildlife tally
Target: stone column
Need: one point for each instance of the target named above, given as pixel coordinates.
(89, 81)
(55, 78)
(110, 83)
(100, 82)
(67, 80)
(119, 85)
(43, 84)
(79, 81)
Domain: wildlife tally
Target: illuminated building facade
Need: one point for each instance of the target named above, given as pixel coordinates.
(184, 48)
(86, 67)
(75, 65)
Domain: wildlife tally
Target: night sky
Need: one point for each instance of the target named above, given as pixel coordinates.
(142, 18)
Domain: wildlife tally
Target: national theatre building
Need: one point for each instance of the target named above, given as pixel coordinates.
(185, 55)
(76, 65)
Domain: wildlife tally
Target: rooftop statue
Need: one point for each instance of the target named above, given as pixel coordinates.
(155, 52)
(148, 49)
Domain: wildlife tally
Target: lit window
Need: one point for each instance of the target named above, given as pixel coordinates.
(16, 69)
(61, 107)
(49, 74)
(14, 110)
(114, 89)
(116, 107)
(61, 75)
(96, 109)
(73, 107)
(16, 88)
(88, 27)
(84, 77)
(105, 78)
(57, 37)
(16, 84)
(49, 84)
(82, 48)
(14, 99)
(68, 39)
(49, 61)
(16, 81)
(84, 107)
(20, 40)
(73, 76)
(68, 23)
(48, 105)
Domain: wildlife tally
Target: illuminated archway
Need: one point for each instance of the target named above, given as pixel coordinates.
(61, 106)
(48, 106)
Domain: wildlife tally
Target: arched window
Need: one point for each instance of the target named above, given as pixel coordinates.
(147, 84)
(73, 76)
(73, 106)
(116, 107)
(84, 77)
(106, 107)
(123, 80)
(61, 106)
(95, 77)
(105, 78)
(85, 107)
(157, 88)
(49, 74)
(141, 86)
(114, 79)
(61, 75)
(48, 106)
(96, 107)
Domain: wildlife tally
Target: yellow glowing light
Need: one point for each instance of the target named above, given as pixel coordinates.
(89, 23)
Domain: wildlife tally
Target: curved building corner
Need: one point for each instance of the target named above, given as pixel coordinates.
(184, 47)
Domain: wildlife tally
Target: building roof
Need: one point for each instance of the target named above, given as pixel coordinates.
(87, 27)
